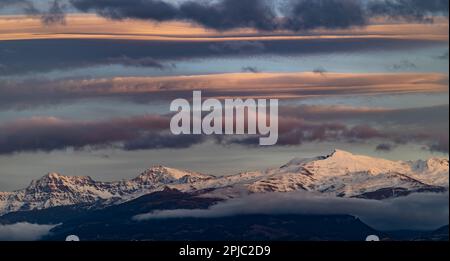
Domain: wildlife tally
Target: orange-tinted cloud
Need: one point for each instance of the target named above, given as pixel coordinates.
(94, 27)
(255, 85)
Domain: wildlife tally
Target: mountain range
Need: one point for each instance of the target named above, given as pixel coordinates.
(340, 174)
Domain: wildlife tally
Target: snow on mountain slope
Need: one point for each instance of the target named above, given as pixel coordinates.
(346, 175)
(430, 171)
(220, 182)
(339, 174)
(163, 175)
(4, 195)
(58, 190)
(341, 163)
(160, 176)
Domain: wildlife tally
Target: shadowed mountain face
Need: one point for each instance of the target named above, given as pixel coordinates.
(441, 234)
(117, 223)
(162, 200)
(237, 228)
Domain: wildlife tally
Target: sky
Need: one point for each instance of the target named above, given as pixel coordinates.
(85, 85)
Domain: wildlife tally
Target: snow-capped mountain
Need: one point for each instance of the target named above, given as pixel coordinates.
(340, 174)
(346, 175)
(57, 190)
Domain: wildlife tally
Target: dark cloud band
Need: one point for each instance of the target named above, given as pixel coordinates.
(49, 134)
(27, 56)
(55, 15)
(413, 10)
(264, 15)
(152, 131)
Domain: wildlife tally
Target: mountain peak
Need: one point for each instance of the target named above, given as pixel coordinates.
(336, 154)
(163, 170)
(158, 168)
(53, 175)
(161, 174)
(54, 180)
(58, 176)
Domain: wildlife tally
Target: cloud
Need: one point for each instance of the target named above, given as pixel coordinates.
(363, 132)
(404, 65)
(129, 49)
(250, 69)
(443, 56)
(441, 145)
(231, 14)
(162, 141)
(137, 62)
(24, 231)
(412, 10)
(221, 15)
(31, 93)
(21, 59)
(385, 147)
(301, 124)
(298, 131)
(55, 15)
(320, 70)
(264, 15)
(238, 47)
(297, 125)
(333, 14)
(413, 117)
(20, 3)
(136, 9)
(48, 133)
(416, 211)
